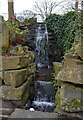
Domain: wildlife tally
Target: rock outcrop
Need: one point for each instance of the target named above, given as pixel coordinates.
(16, 75)
(69, 95)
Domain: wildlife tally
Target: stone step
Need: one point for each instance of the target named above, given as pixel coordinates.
(79, 48)
(19, 113)
(4, 117)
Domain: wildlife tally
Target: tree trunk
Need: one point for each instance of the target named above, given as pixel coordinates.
(76, 7)
(11, 9)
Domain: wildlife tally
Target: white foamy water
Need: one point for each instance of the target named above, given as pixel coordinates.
(42, 103)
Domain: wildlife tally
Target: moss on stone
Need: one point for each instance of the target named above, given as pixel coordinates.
(73, 106)
(57, 98)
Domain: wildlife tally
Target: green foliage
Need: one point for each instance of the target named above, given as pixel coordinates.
(57, 98)
(18, 30)
(54, 82)
(65, 28)
(16, 35)
(4, 50)
(76, 102)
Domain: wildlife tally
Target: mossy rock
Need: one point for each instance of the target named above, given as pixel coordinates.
(17, 50)
(14, 62)
(11, 93)
(14, 78)
(57, 98)
(71, 98)
(71, 72)
(25, 96)
(57, 66)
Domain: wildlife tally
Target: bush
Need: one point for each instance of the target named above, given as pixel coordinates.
(65, 28)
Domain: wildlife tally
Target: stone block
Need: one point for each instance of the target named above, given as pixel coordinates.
(25, 96)
(71, 72)
(71, 98)
(11, 93)
(14, 62)
(23, 100)
(14, 78)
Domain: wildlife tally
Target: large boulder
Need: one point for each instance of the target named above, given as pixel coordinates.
(11, 93)
(71, 98)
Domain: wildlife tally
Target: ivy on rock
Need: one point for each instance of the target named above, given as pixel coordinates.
(65, 28)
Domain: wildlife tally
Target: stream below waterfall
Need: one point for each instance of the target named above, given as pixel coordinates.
(44, 94)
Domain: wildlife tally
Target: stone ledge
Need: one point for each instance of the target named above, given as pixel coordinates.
(15, 62)
(73, 74)
(11, 93)
(14, 77)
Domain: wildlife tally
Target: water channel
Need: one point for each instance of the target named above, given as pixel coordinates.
(44, 94)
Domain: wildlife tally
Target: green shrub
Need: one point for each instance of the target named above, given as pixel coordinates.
(65, 28)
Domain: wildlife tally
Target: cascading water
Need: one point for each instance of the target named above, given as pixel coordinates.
(41, 51)
(44, 96)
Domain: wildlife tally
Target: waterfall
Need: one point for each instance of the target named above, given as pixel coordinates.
(41, 51)
(44, 96)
